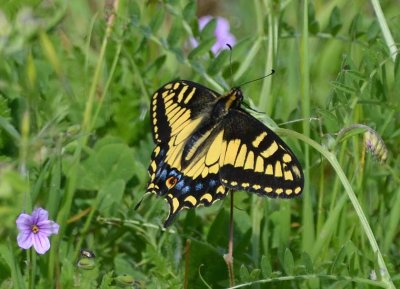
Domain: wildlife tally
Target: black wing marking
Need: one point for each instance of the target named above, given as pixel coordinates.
(255, 159)
(176, 105)
(187, 191)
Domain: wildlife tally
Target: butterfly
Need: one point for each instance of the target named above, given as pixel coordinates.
(207, 145)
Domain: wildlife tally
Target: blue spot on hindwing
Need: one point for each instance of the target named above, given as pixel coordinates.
(198, 186)
(180, 185)
(163, 174)
(175, 173)
(185, 190)
(162, 153)
(212, 183)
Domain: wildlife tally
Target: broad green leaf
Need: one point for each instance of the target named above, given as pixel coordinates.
(209, 261)
(175, 34)
(244, 274)
(335, 21)
(208, 31)
(218, 234)
(108, 163)
(288, 262)
(157, 19)
(266, 269)
(373, 31)
(204, 47)
(307, 262)
(219, 62)
(117, 160)
(313, 25)
(356, 29)
(189, 12)
(255, 274)
(111, 195)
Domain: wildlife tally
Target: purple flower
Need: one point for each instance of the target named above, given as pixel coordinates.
(222, 34)
(35, 230)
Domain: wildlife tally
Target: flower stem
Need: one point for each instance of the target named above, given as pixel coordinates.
(32, 266)
(229, 257)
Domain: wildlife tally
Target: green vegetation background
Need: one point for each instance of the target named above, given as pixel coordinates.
(76, 78)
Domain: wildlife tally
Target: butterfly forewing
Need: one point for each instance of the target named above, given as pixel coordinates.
(179, 105)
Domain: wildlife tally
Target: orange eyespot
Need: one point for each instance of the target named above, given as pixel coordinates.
(171, 182)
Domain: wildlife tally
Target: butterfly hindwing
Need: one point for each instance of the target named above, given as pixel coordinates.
(255, 159)
(180, 188)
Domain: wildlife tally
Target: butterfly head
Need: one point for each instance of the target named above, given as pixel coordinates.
(234, 98)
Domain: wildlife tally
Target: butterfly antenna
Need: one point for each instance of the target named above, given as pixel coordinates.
(257, 79)
(230, 61)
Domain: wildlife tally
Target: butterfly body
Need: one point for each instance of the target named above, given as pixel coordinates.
(206, 145)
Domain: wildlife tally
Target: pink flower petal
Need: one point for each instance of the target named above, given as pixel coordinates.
(48, 227)
(24, 240)
(39, 215)
(24, 222)
(41, 243)
(204, 20)
(222, 34)
(222, 27)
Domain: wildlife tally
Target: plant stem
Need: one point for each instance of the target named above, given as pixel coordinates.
(229, 257)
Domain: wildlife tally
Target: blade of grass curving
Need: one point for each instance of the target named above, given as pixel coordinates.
(385, 29)
(357, 207)
(202, 278)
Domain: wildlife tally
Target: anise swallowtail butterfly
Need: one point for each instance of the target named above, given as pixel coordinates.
(206, 145)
